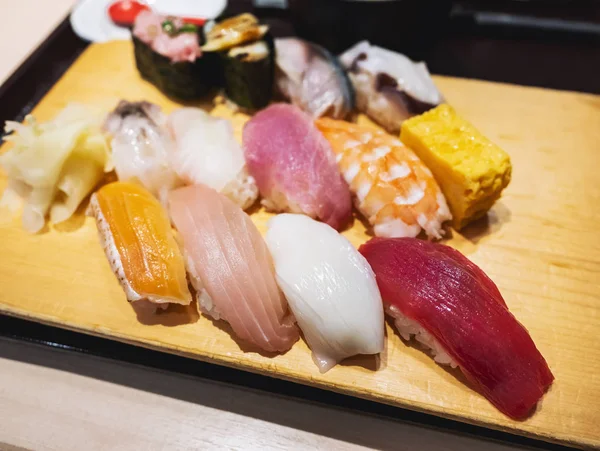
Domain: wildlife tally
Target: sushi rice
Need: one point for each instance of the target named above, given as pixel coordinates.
(409, 328)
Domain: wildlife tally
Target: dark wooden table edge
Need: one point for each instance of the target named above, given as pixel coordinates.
(18, 95)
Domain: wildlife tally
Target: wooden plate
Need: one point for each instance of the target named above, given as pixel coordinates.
(540, 244)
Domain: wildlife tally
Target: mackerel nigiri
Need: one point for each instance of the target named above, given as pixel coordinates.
(137, 238)
(230, 268)
(330, 287)
(448, 303)
(207, 152)
(393, 188)
(294, 166)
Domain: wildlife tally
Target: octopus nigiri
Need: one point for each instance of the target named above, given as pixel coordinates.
(230, 268)
(390, 88)
(330, 287)
(137, 238)
(294, 166)
(141, 146)
(207, 152)
(392, 187)
(449, 304)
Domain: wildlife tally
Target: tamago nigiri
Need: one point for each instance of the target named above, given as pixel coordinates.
(446, 302)
(230, 267)
(330, 287)
(137, 238)
(392, 187)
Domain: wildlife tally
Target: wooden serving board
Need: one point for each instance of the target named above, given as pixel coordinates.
(540, 243)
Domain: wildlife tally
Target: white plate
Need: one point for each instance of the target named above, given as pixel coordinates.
(91, 22)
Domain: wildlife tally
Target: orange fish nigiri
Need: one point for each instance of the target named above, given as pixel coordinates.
(392, 187)
(137, 238)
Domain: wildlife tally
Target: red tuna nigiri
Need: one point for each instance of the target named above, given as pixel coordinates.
(294, 166)
(451, 305)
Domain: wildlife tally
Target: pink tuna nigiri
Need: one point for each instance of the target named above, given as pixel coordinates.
(294, 166)
(231, 268)
(449, 304)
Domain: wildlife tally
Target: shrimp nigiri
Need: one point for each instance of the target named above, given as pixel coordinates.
(137, 238)
(392, 187)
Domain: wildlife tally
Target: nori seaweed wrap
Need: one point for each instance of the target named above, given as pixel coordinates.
(183, 80)
(247, 57)
(248, 71)
(168, 54)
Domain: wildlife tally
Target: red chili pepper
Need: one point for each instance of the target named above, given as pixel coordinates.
(124, 12)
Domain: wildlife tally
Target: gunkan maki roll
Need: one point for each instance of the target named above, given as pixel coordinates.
(247, 57)
(168, 54)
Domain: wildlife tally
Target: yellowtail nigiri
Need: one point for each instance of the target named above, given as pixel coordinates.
(137, 238)
(392, 187)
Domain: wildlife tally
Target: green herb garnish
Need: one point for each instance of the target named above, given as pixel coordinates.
(188, 28)
(169, 27)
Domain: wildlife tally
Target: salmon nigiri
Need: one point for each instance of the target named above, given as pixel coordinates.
(392, 187)
(449, 304)
(231, 268)
(137, 238)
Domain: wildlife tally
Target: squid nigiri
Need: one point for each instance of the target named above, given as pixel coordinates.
(141, 146)
(392, 187)
(137, 238)
(231, 269)
(330, 287)
(294, 166)
(207, 152)
(446, 302)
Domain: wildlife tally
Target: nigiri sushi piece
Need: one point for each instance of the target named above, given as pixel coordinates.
(312, 79)
(330, 287)
(389, 87)
(231, 268)
(392, 187)
(447, 303)
(294, 166)
(141, 146)
(136, 235)
(207, 152)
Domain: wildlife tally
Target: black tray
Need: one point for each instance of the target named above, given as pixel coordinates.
(32, 80)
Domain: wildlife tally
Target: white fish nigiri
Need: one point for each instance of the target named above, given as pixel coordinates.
(330, 288)
(141, 146)
(207, 152)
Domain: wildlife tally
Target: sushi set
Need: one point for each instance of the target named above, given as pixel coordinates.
(216, 192)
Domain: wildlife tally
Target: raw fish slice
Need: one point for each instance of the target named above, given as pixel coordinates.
(330, 287)
(207, 152)
(231, 269)
(389, 87)
(449, 304)
(137, 238)
(141, 146)
(294, 166)
(392, 186)
(312, 78)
